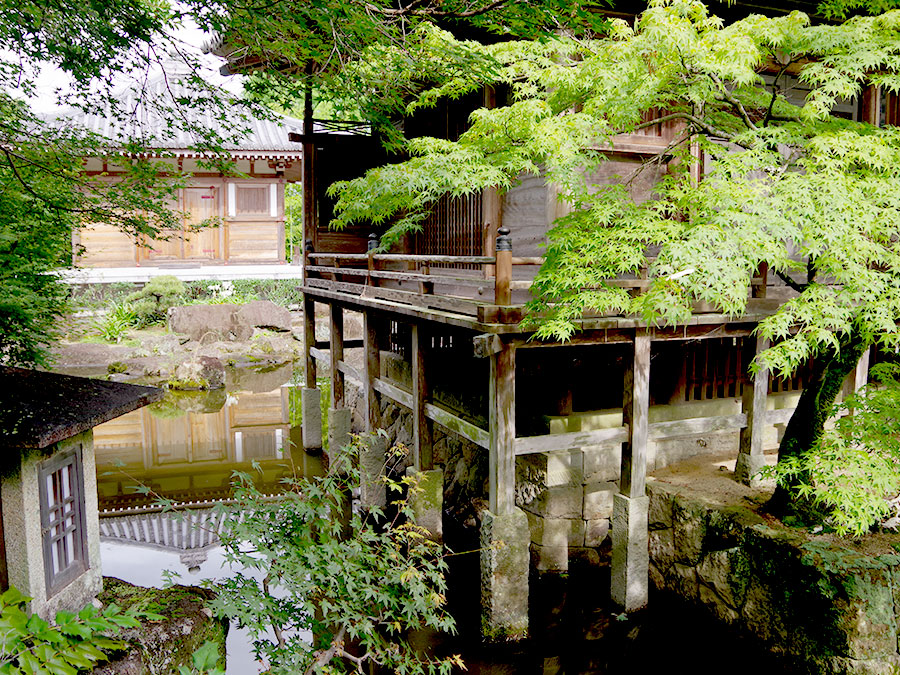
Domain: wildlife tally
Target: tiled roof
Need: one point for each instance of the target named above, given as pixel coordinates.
(146, 115)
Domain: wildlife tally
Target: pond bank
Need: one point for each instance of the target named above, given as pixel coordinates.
(825, 604)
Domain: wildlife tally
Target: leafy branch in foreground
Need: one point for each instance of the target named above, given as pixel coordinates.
(329, 587)
(73, 644)
(852, 474)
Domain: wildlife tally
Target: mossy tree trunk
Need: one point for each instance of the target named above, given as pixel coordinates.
(814, 408)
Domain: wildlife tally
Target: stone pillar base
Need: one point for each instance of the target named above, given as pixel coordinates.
(338, 428)
(630, 552)
(427, 501)
(372, 457)
(746, 467)
(504, 576)
(311, 409)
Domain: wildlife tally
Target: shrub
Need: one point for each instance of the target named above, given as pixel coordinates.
(156, 297)
(73, 643)
(321, 575)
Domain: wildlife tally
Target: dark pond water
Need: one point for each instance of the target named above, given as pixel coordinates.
(185, 449)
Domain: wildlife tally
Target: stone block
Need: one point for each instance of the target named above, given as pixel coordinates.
(689, 526)
(555, 531)
(372, 457)
(602, 462)
(311, 409)
(564, 468)
(596, 531)
(761, 616)
(746, 468)
(598, 500)
(339, 428)
(683, 580)
(553, 558)
(662, 548)
(717, 606)
(630, 556)
(559, 502)
(427, 500)
(504, 575)
(723, 572)
(660, 514)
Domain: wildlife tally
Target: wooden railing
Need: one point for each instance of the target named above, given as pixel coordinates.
(468, 286)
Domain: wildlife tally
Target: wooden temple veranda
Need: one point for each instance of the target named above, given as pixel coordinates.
(448, 305)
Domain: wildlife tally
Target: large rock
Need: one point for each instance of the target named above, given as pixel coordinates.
(220, 321)
(162, 646)
(264, 314)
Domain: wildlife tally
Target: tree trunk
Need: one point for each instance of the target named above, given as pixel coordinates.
(814, 408)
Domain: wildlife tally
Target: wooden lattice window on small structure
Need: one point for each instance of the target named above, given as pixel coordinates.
(62, 519)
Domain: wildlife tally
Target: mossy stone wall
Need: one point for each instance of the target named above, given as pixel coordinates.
(825, 608)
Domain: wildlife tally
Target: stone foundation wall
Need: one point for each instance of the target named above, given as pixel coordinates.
(825, 608)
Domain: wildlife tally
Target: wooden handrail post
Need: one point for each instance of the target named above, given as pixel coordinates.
(307, 249)
(503, 275)
(370, 251)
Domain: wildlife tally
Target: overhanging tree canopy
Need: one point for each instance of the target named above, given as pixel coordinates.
(790, 185)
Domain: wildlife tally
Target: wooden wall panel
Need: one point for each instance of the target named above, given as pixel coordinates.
(104, 246)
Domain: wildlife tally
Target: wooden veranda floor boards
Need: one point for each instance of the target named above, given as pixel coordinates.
(464, 315)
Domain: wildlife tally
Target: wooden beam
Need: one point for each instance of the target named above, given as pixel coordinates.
(487, 344)
(423, 457)
(502, 457)
(336, 349)
(528, 445)
(448, 420)
(309, 339)
(393, 392)
(780, 416)
(858, 377)
(372, 372)
(635, 416)
(694, 426)
(445, 418)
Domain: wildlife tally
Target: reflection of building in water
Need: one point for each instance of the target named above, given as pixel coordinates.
(190, 533)
(190, 456)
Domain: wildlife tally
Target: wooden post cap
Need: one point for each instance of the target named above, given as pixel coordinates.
(504, 241)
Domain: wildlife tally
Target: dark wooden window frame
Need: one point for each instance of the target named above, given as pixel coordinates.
(53, 514)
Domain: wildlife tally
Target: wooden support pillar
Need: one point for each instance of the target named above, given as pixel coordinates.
(858, 377)
(635, 417)
(630, 579)
(339, 417)
(502, 458)
(423, 457)
(309, 339)
(756, 392)
(372, 370)
(336, 322)
(374, 452)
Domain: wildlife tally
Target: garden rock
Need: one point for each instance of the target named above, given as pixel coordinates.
(264, 314)
(205, 372)
(196, 321)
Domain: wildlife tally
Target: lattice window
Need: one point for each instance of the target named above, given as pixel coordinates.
(62, 519)
(454, 227)
(252, 201)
